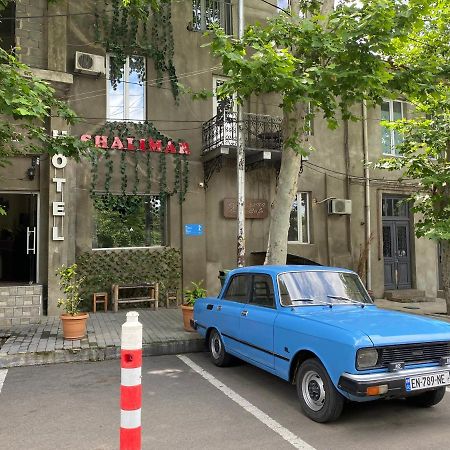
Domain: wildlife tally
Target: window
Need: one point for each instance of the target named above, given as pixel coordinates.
(299, 231)
(208, 12)
(262, 292)
(395, 207)
(126, 99)
(127, 221)
(8, 27)
(391, 110)
(237, 290)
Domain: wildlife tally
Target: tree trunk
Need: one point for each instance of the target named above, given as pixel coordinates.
(293, 122)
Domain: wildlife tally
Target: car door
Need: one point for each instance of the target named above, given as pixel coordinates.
(257, 321)
(229, 308)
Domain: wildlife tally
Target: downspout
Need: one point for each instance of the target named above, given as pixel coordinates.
(367, 197)
(347, 188)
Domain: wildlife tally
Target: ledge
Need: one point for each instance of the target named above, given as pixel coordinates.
(53, 76)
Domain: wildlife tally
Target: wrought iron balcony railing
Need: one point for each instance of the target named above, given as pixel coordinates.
(212, 12)
(261, 132)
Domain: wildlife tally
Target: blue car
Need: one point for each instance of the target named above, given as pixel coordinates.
(317, 328)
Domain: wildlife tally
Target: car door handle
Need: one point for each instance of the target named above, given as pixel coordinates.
(219, 308)
(244, 313)
(210, 307)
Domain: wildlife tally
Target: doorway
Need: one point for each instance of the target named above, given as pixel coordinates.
(18, 237)
(396, 243)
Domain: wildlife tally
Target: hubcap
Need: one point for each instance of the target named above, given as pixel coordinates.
(313, 390)
(216, 346)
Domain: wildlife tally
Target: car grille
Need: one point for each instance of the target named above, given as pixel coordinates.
(414, 353)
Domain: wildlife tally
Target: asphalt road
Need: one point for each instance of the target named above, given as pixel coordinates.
(75, 406)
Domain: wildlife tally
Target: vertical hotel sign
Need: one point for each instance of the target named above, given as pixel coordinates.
(59, 162)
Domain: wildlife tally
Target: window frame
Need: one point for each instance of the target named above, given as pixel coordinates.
(249, 277)
(265, 275)
(225, 22)
(126, 106)
(393, 145)
(300, 239)
(164, 226)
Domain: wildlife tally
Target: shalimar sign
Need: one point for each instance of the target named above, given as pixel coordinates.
(145, 145)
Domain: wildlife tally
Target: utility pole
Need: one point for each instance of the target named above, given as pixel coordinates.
(240, 160)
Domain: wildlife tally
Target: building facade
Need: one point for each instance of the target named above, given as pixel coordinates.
(165, 176)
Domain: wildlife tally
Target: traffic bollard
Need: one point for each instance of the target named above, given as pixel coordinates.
(131, 388)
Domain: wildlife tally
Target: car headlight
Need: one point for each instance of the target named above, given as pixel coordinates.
(366, 358)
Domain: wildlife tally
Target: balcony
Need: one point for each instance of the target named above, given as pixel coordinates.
(262, 137)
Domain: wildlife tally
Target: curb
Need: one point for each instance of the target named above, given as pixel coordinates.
(98, 353)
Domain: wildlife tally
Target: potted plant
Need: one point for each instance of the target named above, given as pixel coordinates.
(73, 320)
(190, 296)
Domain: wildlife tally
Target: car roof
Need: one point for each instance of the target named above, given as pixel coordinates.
(275, 270)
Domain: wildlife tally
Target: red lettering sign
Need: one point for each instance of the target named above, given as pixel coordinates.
(145, 145)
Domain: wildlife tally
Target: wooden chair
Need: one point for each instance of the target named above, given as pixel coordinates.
(100, 297)
(172, 296)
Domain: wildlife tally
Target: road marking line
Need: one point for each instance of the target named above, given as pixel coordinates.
(448, 389)
(287, 435)
(2, 378)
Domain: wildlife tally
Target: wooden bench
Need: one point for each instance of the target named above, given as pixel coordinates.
(151, 288)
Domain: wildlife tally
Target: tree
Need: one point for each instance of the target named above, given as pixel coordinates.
(317, 59)
(425, 147)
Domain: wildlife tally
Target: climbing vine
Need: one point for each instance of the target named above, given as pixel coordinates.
(142, 162)
(149, 34)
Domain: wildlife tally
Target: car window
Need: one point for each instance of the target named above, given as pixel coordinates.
(262, 291)
(238, 289)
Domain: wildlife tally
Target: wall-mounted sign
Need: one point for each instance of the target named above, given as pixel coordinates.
(130, 144)
(58, 207)
(194, 229)
(254, 209)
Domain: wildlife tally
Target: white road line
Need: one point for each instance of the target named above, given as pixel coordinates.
(287, 435)
(2, 378)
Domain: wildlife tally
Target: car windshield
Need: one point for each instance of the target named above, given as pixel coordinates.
(321, 288)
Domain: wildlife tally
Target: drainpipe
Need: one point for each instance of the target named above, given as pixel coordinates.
(240, 164)
(367, 196)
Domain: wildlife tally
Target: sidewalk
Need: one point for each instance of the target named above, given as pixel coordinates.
(43, 343)
(434, 309)
(163, 334)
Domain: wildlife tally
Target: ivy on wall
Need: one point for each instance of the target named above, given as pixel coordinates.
(123, 34)
(131, 266)
(142, 162)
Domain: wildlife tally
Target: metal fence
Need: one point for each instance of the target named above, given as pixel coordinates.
(261, 132)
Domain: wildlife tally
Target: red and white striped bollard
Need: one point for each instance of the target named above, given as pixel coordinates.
(131, 388)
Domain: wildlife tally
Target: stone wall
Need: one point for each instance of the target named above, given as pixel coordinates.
(20, 304)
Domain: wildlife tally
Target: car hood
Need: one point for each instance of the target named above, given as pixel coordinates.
(381, 326)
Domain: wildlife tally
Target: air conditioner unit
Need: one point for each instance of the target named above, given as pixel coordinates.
(339, 206)
(89, 64)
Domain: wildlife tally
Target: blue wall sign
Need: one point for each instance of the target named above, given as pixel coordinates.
(193, 229)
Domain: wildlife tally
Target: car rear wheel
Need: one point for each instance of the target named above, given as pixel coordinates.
(427, 399)
(218, 354)
(319, 399)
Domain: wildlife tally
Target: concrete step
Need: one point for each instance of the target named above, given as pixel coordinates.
(408, 294)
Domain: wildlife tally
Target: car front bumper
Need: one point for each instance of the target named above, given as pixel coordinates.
(357, 384)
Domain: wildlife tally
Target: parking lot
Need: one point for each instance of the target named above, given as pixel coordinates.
(190, 403)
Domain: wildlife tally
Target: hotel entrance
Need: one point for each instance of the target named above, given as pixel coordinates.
(18, 237)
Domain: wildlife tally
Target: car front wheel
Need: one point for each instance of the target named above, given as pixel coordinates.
(427, 399)
(319, 399)
(218, 354)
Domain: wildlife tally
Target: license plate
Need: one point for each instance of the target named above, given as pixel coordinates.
(427, 381)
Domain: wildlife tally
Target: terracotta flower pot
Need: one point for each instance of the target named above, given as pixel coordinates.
(74, 327)
(188, 314)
